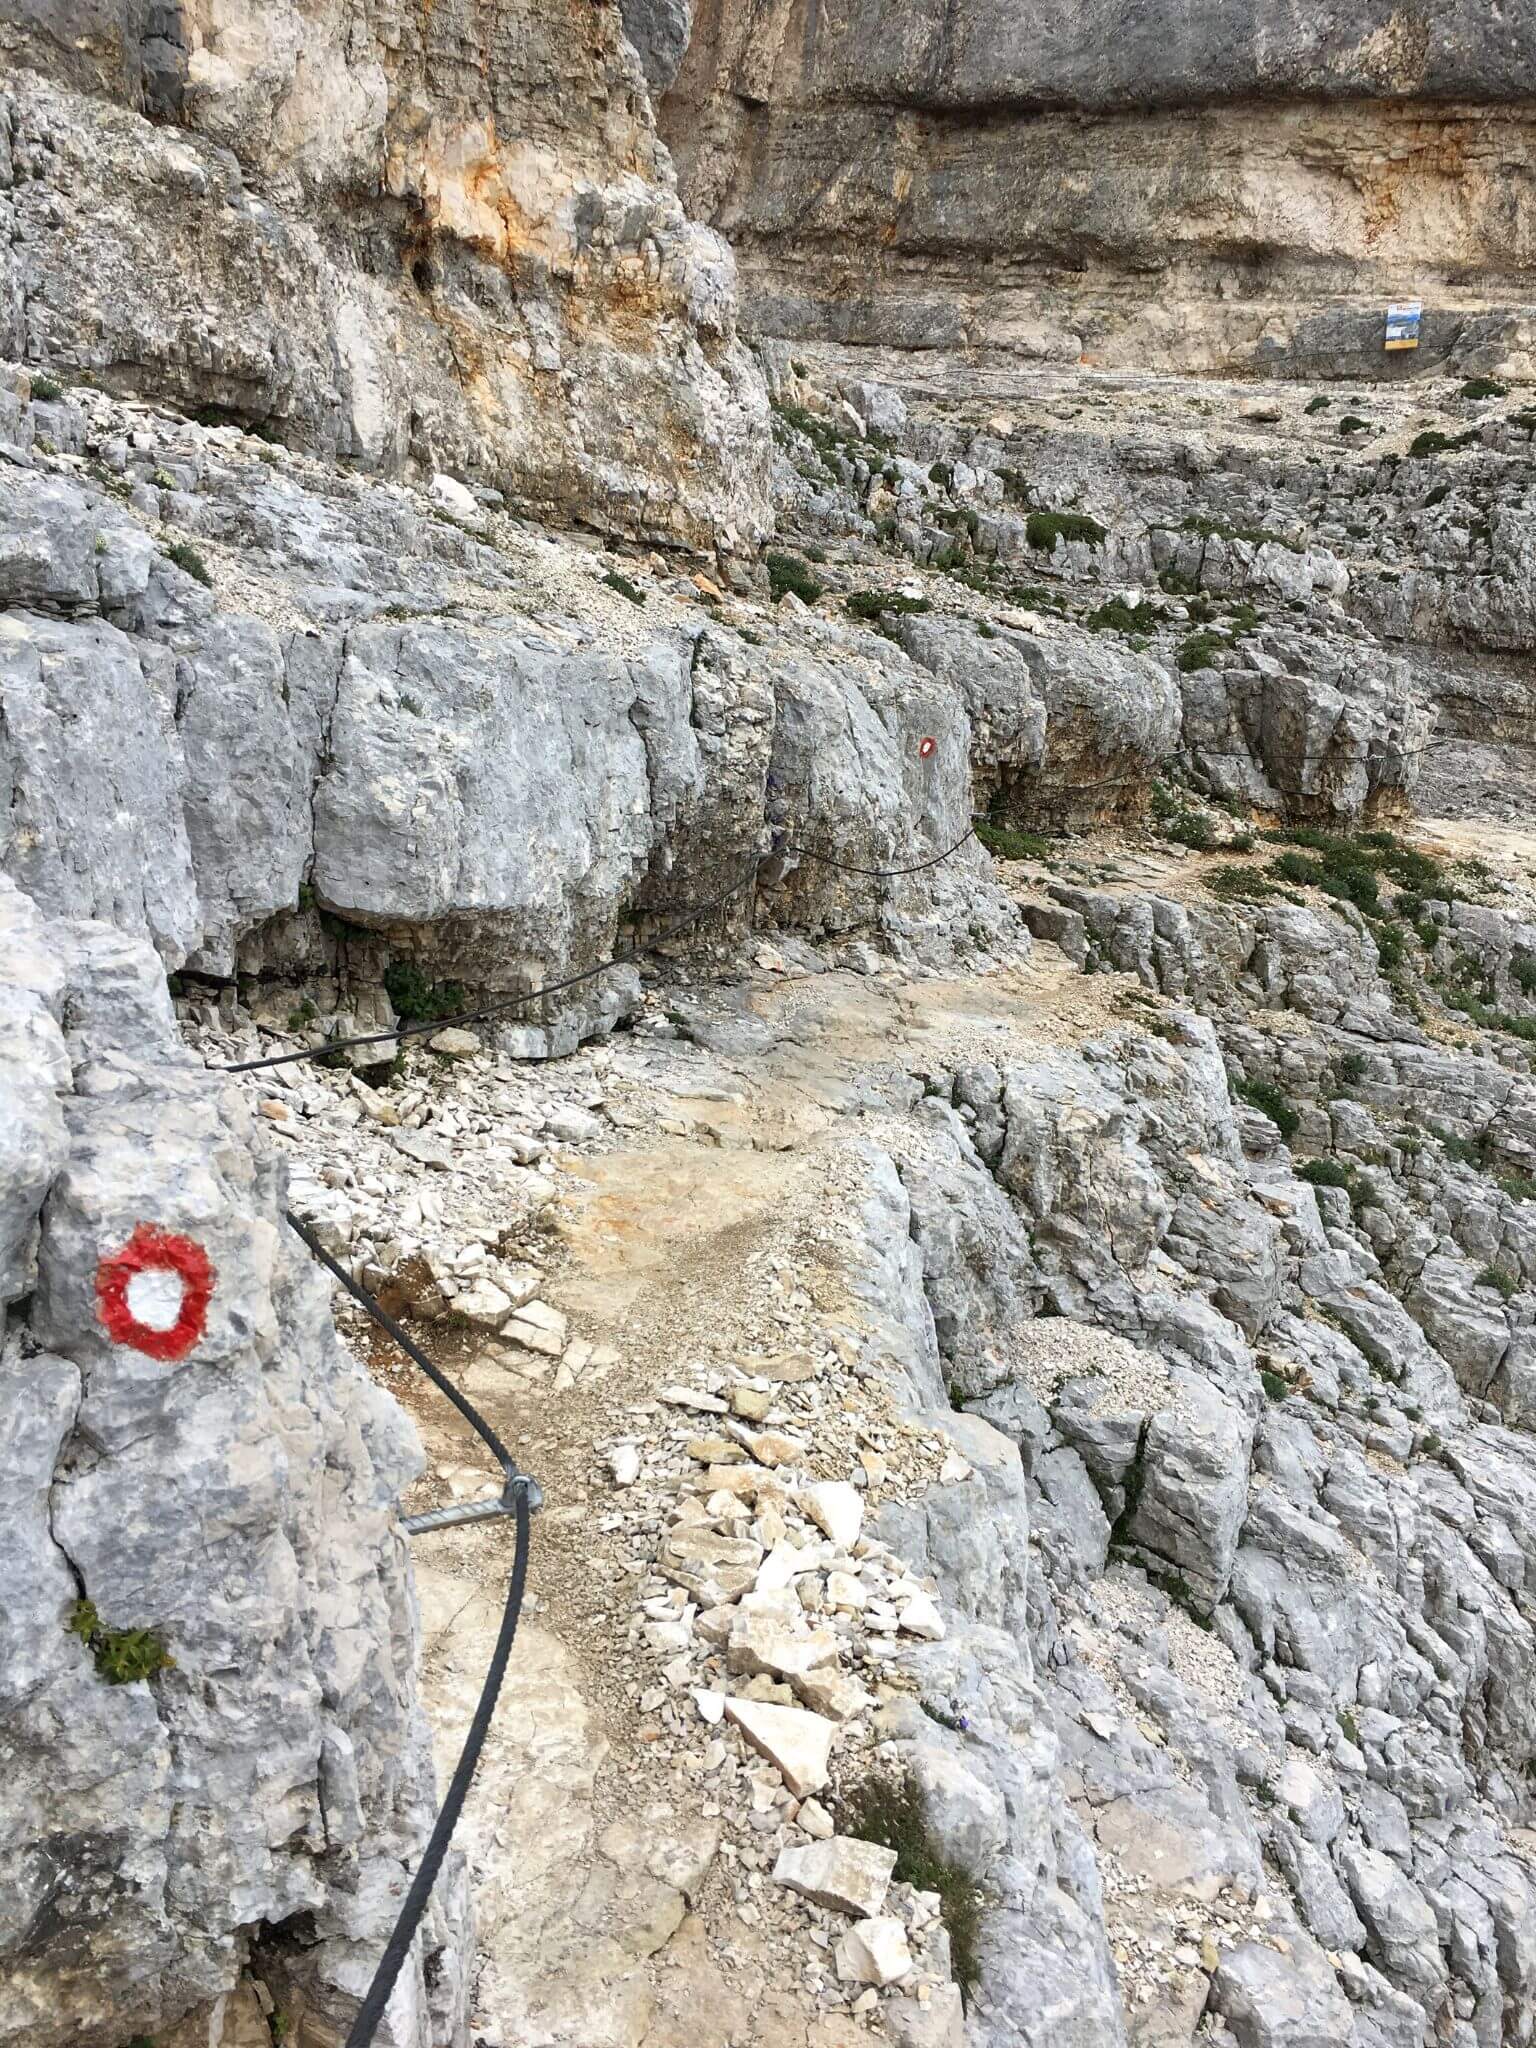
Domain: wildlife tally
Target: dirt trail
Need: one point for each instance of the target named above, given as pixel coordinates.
(704, 1243)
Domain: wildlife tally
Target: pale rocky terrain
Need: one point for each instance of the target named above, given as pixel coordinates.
(1030, 1361)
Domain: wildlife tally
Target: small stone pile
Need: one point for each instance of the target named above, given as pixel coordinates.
(773, 1612)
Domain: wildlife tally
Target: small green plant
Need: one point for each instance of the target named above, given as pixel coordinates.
(1349, 1727)
(1500, 1279)
(942, 474)
(1520, 1187)
(870, 604)
(1200, 650)
(1275, 1385)
(1007, 844)
(417, 1000)
(1318, 404)
(1353, 424)
(1351, 1069)
(46, 389)
(123, 1656)
(1043, 529)
(1323, 1173)
(409, 704)
(1116, 616)
(624, 587)
(306, 1013)
(1430, 1444)
(1269, 1101)
(1484, 387)
(789, 574)
(1433, 442)
(187, 558)
(888, 1809)
(1234, 884)
(1522, 970)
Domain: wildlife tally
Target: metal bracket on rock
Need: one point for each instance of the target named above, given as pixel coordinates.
(461, 1512)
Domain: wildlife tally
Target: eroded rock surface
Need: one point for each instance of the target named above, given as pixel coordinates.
(442, 238)
(212, 1733)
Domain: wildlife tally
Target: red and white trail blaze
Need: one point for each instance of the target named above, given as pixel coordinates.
(153, 1293)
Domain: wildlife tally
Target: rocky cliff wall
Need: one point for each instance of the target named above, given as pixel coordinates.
(212, 1754)
(1202, 187)
(429, 238)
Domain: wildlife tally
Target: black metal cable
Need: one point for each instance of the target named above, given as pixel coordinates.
(398, 1947)
(518, 1487)
(500, 1007)
(386, 1321)
(881, 874)
(424, 1024)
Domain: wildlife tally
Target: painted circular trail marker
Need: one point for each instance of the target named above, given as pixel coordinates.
(926, 746)
(154, 1292)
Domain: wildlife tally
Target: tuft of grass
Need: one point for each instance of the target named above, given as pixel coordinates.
(1116, 616)
(1007, 844)
(1179, 822)
(1500, 1279)
(46, 389)
(1350, 868)
(1043, 529)
(1484, 387)
(1317, 404)
(888, 1809)
(416, 999)
(1433, 442)
(1323, 1173)
(1234, 884)
(1351, 1069)
(123, 1656)
(1276, 1387)
(187, 558)
(870, 604)
(1331, 1173)
(788, 573)
(1199, 651)
(624, 587)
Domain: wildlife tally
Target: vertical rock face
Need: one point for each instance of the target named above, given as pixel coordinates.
(1194, 186)
(211, 1739)
(444, 236)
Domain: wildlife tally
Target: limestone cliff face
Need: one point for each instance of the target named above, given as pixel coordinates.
(211, 1746)
(1190, 185)
(440, 236)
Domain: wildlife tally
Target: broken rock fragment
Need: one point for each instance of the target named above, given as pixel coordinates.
(844, 1873)
(874, 1952)
(797, 1743)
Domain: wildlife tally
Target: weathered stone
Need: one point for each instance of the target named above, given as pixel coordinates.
(798, 1744)
(848, 1875)
(874, 1952)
